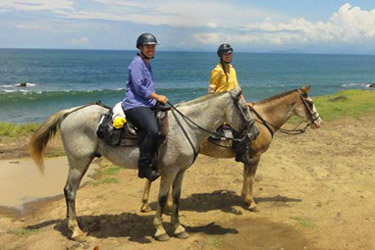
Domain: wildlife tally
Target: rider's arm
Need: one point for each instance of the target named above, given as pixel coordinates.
(159, 98)
(214, 80)
(139, 80)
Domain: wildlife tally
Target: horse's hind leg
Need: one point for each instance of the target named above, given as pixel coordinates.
(145, 208)
(77, 169)
(179, 230)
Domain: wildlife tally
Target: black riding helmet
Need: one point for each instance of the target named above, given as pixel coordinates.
(224, 48)
(146, 38)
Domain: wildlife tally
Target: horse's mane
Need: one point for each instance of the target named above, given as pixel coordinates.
(272, 98)
(200, 99)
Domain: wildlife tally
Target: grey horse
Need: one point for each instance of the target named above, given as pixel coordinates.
(276, 110)
(78, 132)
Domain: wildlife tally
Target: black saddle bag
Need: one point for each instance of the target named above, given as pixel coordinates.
(107, 132)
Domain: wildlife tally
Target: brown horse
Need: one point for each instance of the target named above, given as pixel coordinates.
(270, 114)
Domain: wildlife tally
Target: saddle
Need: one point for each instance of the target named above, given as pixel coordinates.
(128, 134)
(240, 147)
(223, 130)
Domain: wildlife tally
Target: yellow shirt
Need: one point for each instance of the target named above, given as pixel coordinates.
(219, 82)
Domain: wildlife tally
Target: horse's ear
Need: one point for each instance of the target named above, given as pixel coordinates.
(306, 89)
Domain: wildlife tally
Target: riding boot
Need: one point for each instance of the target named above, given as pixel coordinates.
(241, 148)
(241, 154)
(145, 169)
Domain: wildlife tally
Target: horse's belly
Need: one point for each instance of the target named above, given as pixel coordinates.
(126, 157)
(212, 150)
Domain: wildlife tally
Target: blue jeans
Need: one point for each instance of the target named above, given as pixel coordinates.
(144, 119)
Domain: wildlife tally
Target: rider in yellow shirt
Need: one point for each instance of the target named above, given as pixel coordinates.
(224, 78)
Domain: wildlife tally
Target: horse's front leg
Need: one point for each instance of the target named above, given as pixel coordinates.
(179, 230)
(165, 186)
(248, 183)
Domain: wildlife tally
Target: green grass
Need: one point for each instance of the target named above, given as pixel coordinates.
(349, 103)
(101, 175)
(111, 170)
(24, 231)
(107, 170)
(106, 181)
(17, 131)
(303, 222)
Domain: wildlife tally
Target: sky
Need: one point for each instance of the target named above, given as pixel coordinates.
(314, 26)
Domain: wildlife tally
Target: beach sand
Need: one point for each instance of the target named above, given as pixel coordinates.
(314, 191)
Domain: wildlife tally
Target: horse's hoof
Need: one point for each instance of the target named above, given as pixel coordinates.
(168, 208)
(146, 209)
(162, 237)
(80, 237)
(182, 235)
(254, 209)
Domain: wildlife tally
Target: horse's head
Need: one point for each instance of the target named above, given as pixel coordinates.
(305, 108)
(237, 113)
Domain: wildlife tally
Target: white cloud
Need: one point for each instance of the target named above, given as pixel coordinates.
(193, 13)
(61, 26)
(81, 41)
(34, 26)
(209, 22)
(211, 25)
(347, 25)
(34, 5)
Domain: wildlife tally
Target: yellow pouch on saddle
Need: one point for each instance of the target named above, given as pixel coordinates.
(119, 122)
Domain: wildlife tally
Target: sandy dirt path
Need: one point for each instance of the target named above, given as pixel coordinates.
(314, 191)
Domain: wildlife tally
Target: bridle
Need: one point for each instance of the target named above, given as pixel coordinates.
(313, 116)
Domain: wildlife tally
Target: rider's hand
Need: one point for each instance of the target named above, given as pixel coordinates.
(161, 98)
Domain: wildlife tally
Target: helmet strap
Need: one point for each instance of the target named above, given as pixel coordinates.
(144, 56)
(223, 62)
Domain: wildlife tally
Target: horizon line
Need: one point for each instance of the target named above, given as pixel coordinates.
(286, 52)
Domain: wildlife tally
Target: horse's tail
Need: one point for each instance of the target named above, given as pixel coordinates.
(44, 133)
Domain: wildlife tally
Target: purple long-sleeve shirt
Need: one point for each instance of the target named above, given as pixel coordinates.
(139, 86)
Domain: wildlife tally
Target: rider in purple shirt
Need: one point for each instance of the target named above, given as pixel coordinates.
(140, 85)
(139, 100)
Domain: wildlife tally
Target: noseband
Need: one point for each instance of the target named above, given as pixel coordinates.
(313, 116)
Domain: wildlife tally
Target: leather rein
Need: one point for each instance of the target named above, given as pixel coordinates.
(295, 131)
(187, 119)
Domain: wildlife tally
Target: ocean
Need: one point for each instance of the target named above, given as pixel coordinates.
(59, 79)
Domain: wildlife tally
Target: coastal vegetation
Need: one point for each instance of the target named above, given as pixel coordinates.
(17, 130)
(348, 103)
